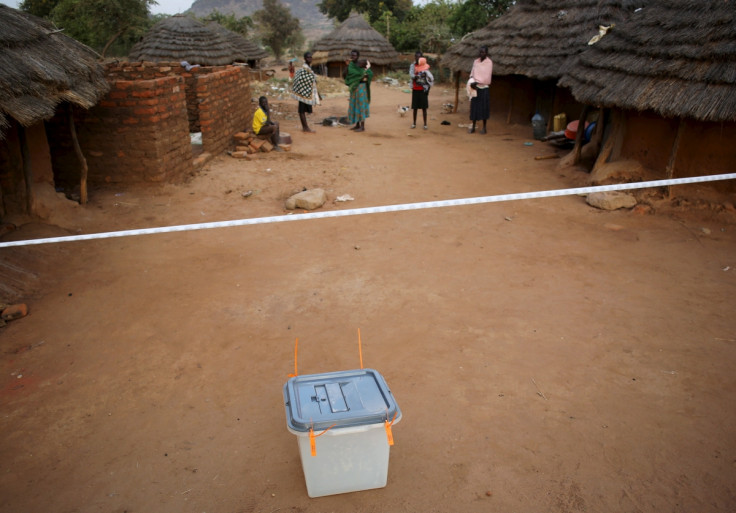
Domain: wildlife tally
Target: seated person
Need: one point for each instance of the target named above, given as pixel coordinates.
(262, 124)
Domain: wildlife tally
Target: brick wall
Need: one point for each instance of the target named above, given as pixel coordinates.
(224, 106)
(140, 131)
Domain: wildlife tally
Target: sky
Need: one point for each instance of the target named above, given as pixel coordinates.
(169, 6)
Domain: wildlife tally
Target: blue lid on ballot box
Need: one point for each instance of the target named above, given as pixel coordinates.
(343, 399)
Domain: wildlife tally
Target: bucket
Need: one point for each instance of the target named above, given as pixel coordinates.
(342, 421)
(539, 126)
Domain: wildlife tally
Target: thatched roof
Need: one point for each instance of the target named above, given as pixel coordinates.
(537, 37)
(40, 68)
(676, 57)
(249, 49)
(354, 33)
(182, 38)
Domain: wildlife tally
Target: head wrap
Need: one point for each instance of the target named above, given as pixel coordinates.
(422, 66)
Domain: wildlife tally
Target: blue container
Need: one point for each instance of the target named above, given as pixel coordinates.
(539, 126)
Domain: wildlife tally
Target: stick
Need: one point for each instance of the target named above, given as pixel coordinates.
(545, 157)
(539, 391)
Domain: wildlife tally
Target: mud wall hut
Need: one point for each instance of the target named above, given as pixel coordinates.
(530, 47)
(355, 33)
(252, 54)
(42, 73)
(182, 38)
(667, 81)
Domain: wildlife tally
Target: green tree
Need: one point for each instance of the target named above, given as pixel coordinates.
(230, 22)
(472, 15)
(278, 28)
(40, 8)
(340, 9)
(99, 23)
(423, 28)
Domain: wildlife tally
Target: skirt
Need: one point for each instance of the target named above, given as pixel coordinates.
(359, 107)
(419, 99)
(480, 106)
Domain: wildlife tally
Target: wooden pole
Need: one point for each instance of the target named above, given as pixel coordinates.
(578, 148)
(27, 173)
(457, 90)
(80, 156)
(511, 102)
(670, 169)
(612, 145)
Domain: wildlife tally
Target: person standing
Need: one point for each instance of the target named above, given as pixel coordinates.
(358, 79)
(414, 64)
(304, 89)
(479, 82)
(422, 81)
(263, 126)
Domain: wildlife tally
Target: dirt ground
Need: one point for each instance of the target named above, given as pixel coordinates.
(546, 355)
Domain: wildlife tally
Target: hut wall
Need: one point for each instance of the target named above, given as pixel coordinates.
(13, 198)
(516, 99)
(512, 98)
(705, 148)
(223, 97)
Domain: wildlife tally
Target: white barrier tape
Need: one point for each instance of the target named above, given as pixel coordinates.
(375, 210)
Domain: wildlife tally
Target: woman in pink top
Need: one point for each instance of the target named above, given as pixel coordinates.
(480, 79)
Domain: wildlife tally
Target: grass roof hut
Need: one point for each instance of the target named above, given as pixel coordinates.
(355, 33)
(668, 78)
(252, 53)
(530, 46)
(182, 38)
(42, 71)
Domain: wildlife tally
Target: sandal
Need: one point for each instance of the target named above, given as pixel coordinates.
(413, 126)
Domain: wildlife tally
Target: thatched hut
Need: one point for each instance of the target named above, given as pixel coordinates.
(667, 77)
(251, 52)
(530, 46)
(182, 38)
(42, 73)
(355, 33)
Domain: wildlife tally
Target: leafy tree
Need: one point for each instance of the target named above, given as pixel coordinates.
(230, 22)
(40, 8)
(279, 29)
(340, 9)
(472, 15)
(423, 28)
(99, 23)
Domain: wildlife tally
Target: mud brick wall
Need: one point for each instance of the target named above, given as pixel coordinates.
(139, 133)
(150, 70)
(223, 97)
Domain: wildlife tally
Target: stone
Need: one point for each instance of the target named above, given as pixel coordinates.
(13, 312)
(620, 171)
(201, 160)
(307, 200)
(611, 200)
